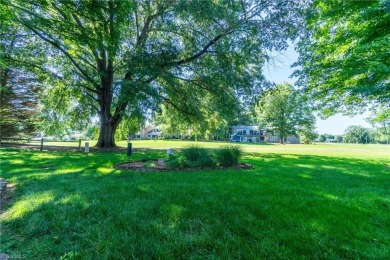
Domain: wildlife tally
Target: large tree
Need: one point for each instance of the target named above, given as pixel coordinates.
(284, 111)
(344, 54)
(129, 56)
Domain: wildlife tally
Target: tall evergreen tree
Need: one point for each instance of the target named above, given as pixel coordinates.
(19, 86)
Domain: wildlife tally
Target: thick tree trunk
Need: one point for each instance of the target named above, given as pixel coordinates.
(108, 125)
(107, 132)
(108, 121)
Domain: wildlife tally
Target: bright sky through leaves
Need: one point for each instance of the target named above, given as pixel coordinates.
(279, 71)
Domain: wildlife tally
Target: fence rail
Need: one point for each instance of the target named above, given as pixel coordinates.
(43, 143)
(14, 139)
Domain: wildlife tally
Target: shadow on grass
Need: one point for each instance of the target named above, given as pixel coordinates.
(78, 206)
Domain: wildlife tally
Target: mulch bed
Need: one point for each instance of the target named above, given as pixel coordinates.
(161, 167)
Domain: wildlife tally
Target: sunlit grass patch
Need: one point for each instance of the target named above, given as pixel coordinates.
(28, 204)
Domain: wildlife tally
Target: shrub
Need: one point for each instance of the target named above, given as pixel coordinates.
(175, 161)
(197, 157)
(148, 164)
(228, 155)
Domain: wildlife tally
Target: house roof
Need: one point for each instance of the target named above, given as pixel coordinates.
(151, 131)
(245, 127)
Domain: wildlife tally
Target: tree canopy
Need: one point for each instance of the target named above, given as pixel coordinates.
(126, 57)
(357, 134)
(344, 57)
(284, 111)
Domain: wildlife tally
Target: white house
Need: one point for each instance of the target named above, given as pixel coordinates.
(149, 132)
(291, 139)
(245, 133)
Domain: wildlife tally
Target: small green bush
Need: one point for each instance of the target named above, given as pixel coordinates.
(148, 164)
(197, 156)
(176, 161)
(228, 155)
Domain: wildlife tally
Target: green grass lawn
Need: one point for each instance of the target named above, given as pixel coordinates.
(300, 201)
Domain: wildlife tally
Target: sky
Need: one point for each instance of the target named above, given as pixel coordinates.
(280, 70)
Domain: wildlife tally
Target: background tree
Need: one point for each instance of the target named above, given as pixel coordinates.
(211, 126)
(19, 86)
(284, 111)
(380, 120)
(344, 56)
(357, 134)
(307, 134)
(131, 56)
(127, 125)
(322, 138)
(339, 138)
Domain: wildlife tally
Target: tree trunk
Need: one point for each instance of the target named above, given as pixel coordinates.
(108, 126)
(108, 122)
(107, 132)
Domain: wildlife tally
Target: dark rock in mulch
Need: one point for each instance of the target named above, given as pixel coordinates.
(161, 167)
(6, 192)
(3, 185)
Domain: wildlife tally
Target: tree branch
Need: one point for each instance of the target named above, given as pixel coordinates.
(201, 52)
(81, 26)
(65, 52)
(168, 101)
(118, 111)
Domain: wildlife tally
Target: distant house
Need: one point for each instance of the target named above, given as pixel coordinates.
(149, 132)
(291, 139)
(245, 133)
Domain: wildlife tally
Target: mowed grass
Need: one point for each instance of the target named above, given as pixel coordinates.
(371, 151)
(319, 201)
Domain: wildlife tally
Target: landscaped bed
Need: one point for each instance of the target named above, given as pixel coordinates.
(158, 165)
(191, 158)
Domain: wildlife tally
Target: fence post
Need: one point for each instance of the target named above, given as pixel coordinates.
(87, 147)
(41, 144)
(80, 144)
